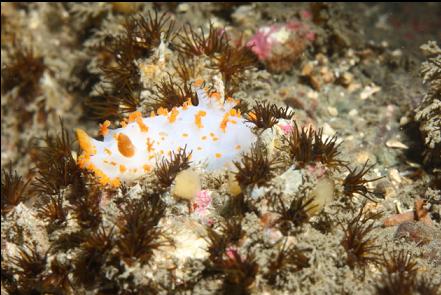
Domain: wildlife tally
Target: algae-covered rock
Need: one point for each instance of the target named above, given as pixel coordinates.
(428, 114)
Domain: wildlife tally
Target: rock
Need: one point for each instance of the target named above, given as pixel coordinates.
(394, 176)
(307, 69)
(333, 111)
(368, 91)
(417, 232)
(346, 79)
(292, 179)
(395, 144)
(423, 235)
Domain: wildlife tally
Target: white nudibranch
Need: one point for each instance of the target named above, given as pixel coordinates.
(213, 131)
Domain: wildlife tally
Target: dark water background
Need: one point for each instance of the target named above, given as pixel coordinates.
(403, 25)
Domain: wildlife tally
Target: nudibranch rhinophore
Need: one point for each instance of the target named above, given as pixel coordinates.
(213, 131)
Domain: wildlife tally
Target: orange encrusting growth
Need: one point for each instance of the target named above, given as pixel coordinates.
(125, 145)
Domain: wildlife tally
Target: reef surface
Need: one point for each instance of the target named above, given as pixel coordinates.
(339, 192)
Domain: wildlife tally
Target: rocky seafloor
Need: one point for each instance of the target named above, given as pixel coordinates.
(341, 193)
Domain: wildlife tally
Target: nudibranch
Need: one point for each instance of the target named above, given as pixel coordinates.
(213, 131)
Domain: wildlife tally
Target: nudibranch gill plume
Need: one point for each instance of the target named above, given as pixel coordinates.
(214, 132)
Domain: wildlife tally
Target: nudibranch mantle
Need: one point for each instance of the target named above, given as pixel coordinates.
(213, 131)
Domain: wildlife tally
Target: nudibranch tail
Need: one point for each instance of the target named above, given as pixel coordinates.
(85, 142)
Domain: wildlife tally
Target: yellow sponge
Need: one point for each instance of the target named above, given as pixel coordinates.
(187, 184)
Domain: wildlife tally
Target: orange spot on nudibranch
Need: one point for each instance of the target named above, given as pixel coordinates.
(122, 168)
(184, 134)
(162, 111)
(235, 113)
(187, 104)
(198, 118)
(147, 168)
(85, 142)
(173, 115)
(198, 82)
(133, 116)
(218, 155)
(104, 128)
(107, 151)
(150, 147)
(224, 122)
(125, 145)
(237, 147)
(142, 126)
(215, 95)
(115, 182)
(226, 119)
